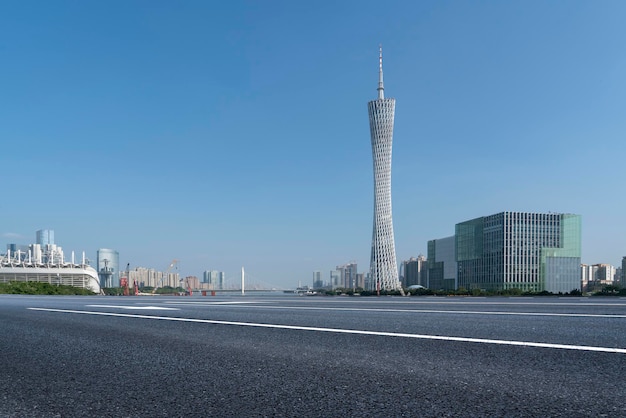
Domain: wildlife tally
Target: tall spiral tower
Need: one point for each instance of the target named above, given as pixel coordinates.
(383, 266)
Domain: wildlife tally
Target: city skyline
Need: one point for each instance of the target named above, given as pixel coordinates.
(229, 135)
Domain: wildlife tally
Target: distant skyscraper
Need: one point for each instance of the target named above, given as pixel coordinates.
(318, 283)
(45, 237)
(215, 279)
(335, 279)
(383, 266)
(348, 274)
(442, 265)
(360, 280)
(415, 271)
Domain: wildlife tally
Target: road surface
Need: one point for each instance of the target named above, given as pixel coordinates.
(290, 356)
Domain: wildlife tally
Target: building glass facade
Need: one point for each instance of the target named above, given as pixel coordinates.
(622, 280)
(108, 266)
(527, 251)
(216, 280)
(442, 265)
(45, 237)
(318, 282)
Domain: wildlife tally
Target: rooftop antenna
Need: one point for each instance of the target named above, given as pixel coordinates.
(381, 87)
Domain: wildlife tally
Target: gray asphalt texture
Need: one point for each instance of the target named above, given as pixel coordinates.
(74, 365)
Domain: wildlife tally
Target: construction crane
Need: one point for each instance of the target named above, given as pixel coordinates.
(124, 281)
(165, 274)
(188, 286)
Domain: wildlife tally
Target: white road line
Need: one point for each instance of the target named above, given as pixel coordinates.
(251, 302)
(450, 302)
(350, 331)
(314, 308)
(135, 307)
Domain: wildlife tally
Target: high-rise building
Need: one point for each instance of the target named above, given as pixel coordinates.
(215, 280)
(360, 281)
(605, 273)
(191, 282)
(442, 265)
(45, 237)
(108, 266)
(335, 279)
(14, 248)
(318, 283)
(348, 274)
(595, 277)
(617, 279)
(586, 277)
(527, 251)
(415, 271)
(150, 277)
(383, 267)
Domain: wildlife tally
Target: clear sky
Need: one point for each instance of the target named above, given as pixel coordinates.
(234, 133)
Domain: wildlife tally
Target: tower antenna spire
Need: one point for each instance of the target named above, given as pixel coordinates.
(381, 87)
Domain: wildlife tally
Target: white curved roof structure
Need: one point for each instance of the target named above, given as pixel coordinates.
(78, 275)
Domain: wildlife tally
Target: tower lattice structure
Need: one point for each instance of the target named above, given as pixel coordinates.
(383, 266)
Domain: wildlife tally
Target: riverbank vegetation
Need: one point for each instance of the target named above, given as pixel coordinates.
(38, 288)
(606, 291)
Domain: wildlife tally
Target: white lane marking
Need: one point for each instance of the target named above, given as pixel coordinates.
(135, 307)
(247, 302)
(449, 302)
(350, 331)
(314, 308)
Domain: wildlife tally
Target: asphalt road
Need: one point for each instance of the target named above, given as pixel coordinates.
(290, 356)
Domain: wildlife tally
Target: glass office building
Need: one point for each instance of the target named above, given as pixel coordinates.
(45, 237)
(108, 266)
(216, 280)
(442, 265)
(527, 251)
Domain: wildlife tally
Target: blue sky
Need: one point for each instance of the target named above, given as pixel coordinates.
(229, 134)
